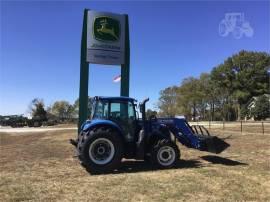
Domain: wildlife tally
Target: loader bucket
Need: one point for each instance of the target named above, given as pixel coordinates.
(209, 143)
(213, 144)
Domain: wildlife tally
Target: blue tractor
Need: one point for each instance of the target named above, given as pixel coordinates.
(114, 131)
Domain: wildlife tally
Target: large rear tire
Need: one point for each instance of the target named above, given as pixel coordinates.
(100, 150)
(165, 154)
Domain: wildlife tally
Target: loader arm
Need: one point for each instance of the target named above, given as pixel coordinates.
(187, 136)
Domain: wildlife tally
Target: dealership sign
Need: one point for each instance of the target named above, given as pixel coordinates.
(105, 38)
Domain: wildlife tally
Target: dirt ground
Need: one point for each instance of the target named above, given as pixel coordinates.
(40, 167)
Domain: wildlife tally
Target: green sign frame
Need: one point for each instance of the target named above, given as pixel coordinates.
(84, 70)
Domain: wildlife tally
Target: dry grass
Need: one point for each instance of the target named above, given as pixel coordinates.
(41, 167)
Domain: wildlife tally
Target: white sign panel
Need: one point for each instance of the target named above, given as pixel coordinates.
(105, 38)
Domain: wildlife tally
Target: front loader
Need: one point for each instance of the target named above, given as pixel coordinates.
(115, 132)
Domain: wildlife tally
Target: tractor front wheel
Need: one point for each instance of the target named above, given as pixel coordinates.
(165, 154)
(101, 150)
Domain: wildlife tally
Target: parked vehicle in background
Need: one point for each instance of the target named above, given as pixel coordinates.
(13, 121)
(16, 121)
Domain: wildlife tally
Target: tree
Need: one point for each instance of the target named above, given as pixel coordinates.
(76, 106)
(261, 110)
(37, 109)
(208, 97)
(62, 109)
(150, 113)
(241, 77)
(222, 94)
(167, 103)
(189, 97)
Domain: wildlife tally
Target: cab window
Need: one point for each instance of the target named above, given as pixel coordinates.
(123, 110)
(102, 108)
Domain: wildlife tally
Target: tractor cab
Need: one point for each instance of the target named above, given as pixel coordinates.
(113, 108)
(119, 110)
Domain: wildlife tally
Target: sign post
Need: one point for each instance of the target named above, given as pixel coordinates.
(84, 75)
(125, 67)
(105, 40)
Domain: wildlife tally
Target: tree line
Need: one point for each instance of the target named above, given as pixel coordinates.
(59, 111)
(224, 93)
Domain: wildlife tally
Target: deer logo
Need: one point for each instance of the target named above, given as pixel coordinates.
(106, 29)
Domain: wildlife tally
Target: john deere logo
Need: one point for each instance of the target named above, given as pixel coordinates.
(106, 29)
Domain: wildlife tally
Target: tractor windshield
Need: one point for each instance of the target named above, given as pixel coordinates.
(100, 109)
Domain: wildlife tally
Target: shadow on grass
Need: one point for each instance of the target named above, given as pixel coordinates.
(133, 166)
(221, 160)
(142, 166)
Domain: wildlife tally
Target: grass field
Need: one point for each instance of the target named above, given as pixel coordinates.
(40, 167)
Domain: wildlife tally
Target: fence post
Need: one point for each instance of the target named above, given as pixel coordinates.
(262, 128)
(241, 126)
(223, 127)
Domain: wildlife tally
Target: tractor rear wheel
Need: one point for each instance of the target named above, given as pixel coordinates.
(100, 150)
(165, 154)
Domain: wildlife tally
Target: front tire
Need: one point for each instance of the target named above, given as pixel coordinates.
(101, 150)
(165, 154)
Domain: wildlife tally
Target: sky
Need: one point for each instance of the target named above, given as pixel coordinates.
(169, 41)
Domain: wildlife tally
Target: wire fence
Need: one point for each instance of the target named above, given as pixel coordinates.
(259, 127)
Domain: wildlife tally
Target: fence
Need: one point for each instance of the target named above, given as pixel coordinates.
(259, 127)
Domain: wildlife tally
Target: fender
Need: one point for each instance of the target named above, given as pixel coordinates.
(90, 124)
